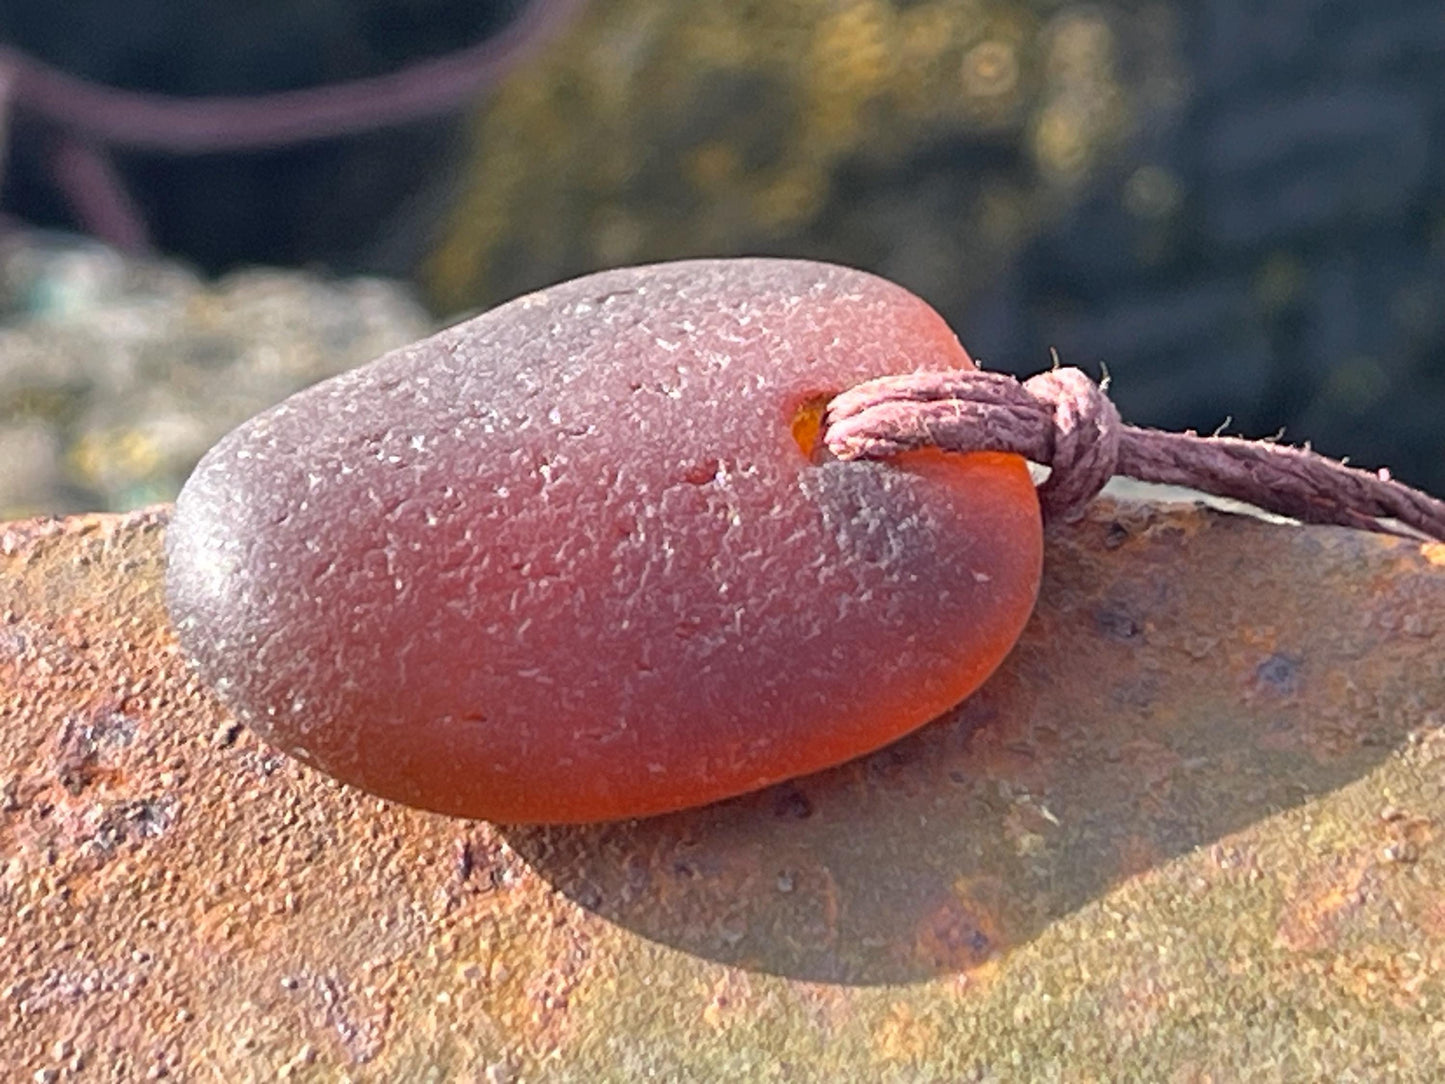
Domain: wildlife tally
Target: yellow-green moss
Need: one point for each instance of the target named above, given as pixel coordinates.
(656, 129)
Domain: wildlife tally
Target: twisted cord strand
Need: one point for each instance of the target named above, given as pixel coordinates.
(1064, 420)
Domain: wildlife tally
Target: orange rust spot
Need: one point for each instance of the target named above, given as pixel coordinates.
(903, 1036)
(1318, 911)
(958, 935)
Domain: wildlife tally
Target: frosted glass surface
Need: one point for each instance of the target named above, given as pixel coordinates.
(566, 561)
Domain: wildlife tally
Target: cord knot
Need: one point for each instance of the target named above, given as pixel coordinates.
(1063, 420)
(1085, 436)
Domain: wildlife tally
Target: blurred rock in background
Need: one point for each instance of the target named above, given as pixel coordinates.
(116, 374)
(921, 140)
(1236, 207)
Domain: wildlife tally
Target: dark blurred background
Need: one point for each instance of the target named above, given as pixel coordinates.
(319, 202)
(1236, 206)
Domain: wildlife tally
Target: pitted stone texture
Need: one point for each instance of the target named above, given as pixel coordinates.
(1191, 828)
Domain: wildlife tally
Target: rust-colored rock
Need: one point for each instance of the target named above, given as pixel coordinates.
(1191, 829)
(573, 560)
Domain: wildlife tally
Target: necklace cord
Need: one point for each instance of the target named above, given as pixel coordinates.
(1064, 420)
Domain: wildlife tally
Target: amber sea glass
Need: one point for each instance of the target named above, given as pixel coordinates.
(580, 558)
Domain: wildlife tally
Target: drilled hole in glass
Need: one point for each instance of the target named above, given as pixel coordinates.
(807, 425)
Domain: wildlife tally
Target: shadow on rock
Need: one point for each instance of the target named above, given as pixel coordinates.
(1186, 674)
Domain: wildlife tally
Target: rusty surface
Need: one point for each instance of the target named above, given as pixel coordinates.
(1191, 830)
